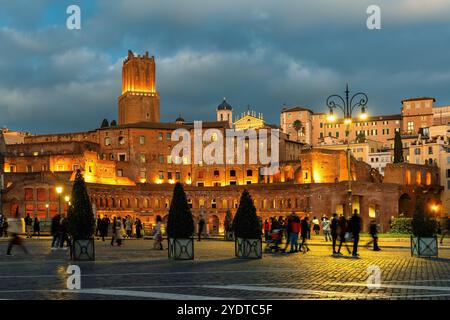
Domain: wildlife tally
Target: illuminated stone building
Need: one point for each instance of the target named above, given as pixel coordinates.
(130, 170)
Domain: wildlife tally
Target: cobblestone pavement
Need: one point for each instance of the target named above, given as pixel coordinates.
(135, 271)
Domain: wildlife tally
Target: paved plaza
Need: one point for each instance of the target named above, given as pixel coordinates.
(135, 271)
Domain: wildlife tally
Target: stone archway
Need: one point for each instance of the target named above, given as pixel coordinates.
(404, 205)
(213, 225)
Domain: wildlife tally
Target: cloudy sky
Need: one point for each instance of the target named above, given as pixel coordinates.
(258, 52)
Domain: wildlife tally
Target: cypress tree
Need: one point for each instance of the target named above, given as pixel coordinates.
(398, 148)
(422, 224)
(105, 123)
(180, 223)
(81, 220)
(246, 223)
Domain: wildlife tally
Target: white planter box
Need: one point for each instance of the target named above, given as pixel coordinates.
(82, 250)
(248, 248)
(424, 247)
(181, 249)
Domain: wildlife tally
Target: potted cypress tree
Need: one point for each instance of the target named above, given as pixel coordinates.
(81, 221)
(247, 229)
(424, 229)
(180, 227)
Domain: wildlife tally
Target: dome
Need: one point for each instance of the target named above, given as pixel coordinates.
(224, 105)
(179, 119)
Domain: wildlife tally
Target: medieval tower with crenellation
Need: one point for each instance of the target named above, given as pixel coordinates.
(139, 101)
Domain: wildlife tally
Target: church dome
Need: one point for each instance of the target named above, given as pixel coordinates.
(179, 119)
(224, 105)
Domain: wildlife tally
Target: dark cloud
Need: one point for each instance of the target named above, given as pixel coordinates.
(258, 52)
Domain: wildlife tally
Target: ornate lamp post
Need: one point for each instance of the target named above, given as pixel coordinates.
(59, 190)
(348, 104)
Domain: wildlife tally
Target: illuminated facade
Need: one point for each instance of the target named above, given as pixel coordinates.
(129, 167)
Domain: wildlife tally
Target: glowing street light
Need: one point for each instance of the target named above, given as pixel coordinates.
(59, 190)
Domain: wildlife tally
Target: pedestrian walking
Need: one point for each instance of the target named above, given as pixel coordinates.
(37, 227)
(294, 230)
(28, 225)
(201, 224)
(105, 227)
(2, 221)
(373, 231)
(117, 231)
(14, 229)
(266, 228)
(54, 230)
(157, 234)
(326, 228)
(355, 226)
(342, 229)
(63, 233)
(138, 226)
(5, 227)
(286, 230)
(334, 227)
(98, 226)
(305, 227)
(129, 227)
(316, 225)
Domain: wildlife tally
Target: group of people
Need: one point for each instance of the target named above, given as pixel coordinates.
(32, 226)
(59, 231)
(121, 227)
(339, 230)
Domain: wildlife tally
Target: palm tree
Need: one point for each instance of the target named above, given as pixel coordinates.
(298, 126)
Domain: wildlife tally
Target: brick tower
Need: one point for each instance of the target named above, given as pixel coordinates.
(139, 101)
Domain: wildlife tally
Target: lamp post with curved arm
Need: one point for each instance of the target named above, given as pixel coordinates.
(347, 105)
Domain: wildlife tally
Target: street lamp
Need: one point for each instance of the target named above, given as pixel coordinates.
(46, 211)
(348, 105)
(67, 199)
(59, 190)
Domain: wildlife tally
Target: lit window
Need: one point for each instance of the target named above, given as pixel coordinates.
(142, 140)
(107, 141)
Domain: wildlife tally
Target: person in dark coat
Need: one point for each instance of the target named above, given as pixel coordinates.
(105, 226)
(355, 226)
(305, 229)
(342, 229)
(37, 227)
(334, 226)
(54, 229)
(373, 231)
(201, 225)
(138, 224)
(98, 226)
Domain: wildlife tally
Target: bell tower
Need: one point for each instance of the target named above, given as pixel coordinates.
(139, 101)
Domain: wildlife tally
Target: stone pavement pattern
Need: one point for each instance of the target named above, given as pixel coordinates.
(135, 271)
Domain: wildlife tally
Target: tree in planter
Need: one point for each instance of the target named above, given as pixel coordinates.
(180, 223)
(180, 226)
(422, 224)
(424, 229)
(81, 220)
(80, 215)
(246, 222)
(398, 148)
(247, 229)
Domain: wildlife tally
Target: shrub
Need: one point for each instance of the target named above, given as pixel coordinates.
(81, 220)
(401, 225)
(246, 223)
(180, 223)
